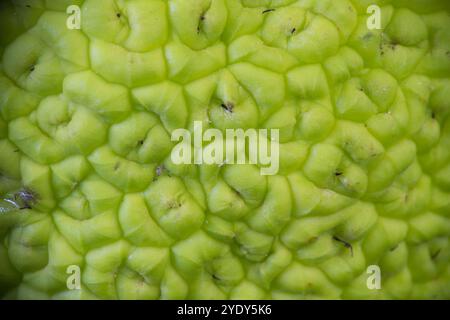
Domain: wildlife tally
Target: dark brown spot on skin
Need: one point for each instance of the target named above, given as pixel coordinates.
(215, 277)
(338, 173)
(118, 15)
(32, 68)
(434, 255)
(140, 142)
(174, 205)
(293, 30)
(268, 10)
(381, 46)
(345, 243)
(202, 18)
(393, 248)
(26, 198)
(227, 106)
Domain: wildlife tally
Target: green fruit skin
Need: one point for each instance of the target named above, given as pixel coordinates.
(86, 177)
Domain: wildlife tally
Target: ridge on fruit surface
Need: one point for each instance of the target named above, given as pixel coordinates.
(92, 205)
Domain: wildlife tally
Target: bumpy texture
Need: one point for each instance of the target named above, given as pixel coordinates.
(85, 171)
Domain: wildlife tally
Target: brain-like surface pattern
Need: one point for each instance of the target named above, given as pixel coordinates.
(85, 123)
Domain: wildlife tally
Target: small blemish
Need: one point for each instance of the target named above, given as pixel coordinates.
(159, 170)
(268, 10)
(202, 18)
(345, 243)
(293, 30)
(32, 68)
(434, 255)
(116, 166)
(393, 248)
(118, 15)
(227, 106)
(215, 277)
(27, 197)
(173, 204)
